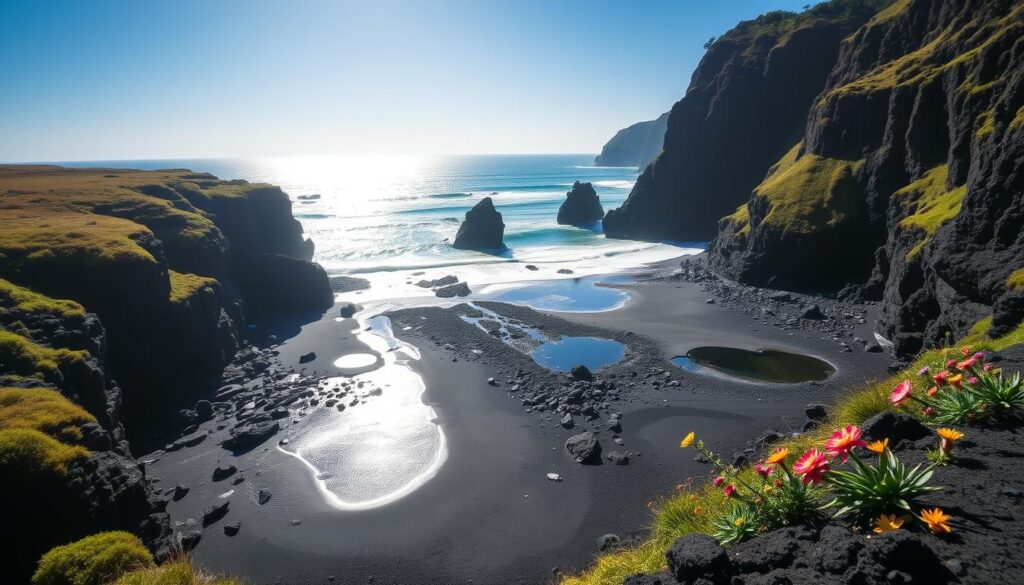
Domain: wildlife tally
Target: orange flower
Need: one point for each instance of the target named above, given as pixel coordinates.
(887, 523)
(956, 380)
(951, 435)
(933, 391)
(937, 520)
(843, 441)
(778, 457)
(697, 511)
(878, 447)
(965, 351)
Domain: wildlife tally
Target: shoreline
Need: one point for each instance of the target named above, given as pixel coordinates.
(490, 503)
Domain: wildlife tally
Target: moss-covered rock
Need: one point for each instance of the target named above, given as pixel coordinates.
(93, 560)
(44, 410)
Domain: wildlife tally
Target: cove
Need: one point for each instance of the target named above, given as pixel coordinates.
(766, 365)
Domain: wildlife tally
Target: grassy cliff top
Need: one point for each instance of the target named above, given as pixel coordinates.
(781, 23)
(101, 213)
(21, 356)
(43, 410)
(185, 286)
(24, 300)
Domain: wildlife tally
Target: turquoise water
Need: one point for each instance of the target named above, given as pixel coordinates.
(387, 213)
(569, 352)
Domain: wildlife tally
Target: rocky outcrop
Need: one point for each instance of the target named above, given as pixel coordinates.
(582, 207)
(634, 146)
(745, 107)
(275, 284)
(908, 184)
(482, 229)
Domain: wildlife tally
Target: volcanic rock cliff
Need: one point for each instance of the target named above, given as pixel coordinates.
(634, 146)
(745, 107)
(907, 184)
(149, 277)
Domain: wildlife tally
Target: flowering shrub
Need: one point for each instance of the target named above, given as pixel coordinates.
(879, 494)
(962, 390)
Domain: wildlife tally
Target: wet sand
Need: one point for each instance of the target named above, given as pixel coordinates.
(490, 516)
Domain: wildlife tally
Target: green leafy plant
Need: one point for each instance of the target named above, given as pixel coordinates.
(996, 391)
(866, 491)
(739, 524)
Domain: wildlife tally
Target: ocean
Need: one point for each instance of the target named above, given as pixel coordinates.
(382, 217)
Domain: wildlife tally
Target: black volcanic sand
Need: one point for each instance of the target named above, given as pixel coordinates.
(490, 516)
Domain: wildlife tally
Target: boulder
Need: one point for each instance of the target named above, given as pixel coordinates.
(347, 310)
(816, 412)
(460, 289)
(608, 542)
(698, 556)
(307, 357)
(482, 229)
(584, 447)
(248, 435)
(263, 496)
(812, 312)
(215, 512)
(581, 373)
(341, 284)
(581, 207)
(894, 426)
(232, 528)
(223, 472)
(189, 539)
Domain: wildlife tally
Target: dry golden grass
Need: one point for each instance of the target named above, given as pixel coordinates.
(184, 285)
(176, 572)
(22, 299)
(21, 356)
(44, 410)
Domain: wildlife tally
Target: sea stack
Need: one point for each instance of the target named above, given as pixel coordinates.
(581, 207)
(482, 229)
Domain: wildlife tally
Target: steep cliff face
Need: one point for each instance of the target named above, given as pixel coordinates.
(634, 146)
(746, 106)
(156, 255)
(908, 185)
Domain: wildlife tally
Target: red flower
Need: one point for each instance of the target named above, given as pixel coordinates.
(764, 469)
(928, 411)
(730, 490)
(940, 378)
(950, 363)
(967, 363)
(843, 441)
(718, 481)
(901, 392)
(811, 465)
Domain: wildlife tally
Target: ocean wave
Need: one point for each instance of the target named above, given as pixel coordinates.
(449, 195)
(616, 184)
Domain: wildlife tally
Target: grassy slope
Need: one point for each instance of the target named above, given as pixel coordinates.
(931, 204)
(21, 356)
(40, 433)
(26, 301)
(185, 286)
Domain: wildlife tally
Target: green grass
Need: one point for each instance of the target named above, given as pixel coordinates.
(1016, 280)
(692, 507)
(185, 286)
(931, 205)
(890, 12)
(93, 560)
(24, 300)
(740, 217)
(29, 455)
(1018, 118)
(986, 124)
(23, 357)
(936, 56)
(176, 572)
(809, 193)
(44, 410)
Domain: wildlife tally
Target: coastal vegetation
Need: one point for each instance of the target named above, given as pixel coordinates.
(93, 560)
(930, 204)
(21, 356)
(707, 508)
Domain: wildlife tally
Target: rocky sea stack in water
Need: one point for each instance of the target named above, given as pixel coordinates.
(482, 229)
(581, 207)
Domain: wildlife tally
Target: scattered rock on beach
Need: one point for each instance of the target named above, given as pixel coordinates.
(247, 435)
(460, 289)
(347, 310)
(223, 472)
(180, 491)
(307, 357)
(341, 284)
(618, 458)
(215, 512)
(582, 373)
(531, 267)
(554, 477)
(812, 312)
(566, 421)
(263, 496)
(443, 281)
(189, 539)
(584, 447)
(232, 528)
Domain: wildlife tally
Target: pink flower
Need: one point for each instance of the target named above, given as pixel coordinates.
(972, 380)
(811, 465)
(718, 481)
(967, 363)
(951, 363)
(901, 392)
(928, 411)
(730, 490)
(923, 371)
(764, 469)
(980, 355)
(940, 378)
(987, 367)
(843, 441)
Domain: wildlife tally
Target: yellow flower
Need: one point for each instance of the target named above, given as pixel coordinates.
(697, 511)
(687, 440)
(888, 523)
(937, 520)
(739, 522)
(951, 435)
(878, 447)
(778, 456)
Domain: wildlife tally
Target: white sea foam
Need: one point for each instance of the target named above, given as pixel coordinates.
(616, 184)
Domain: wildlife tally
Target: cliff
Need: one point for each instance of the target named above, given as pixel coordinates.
(907, 184)
(745, 107)
(146, 277)
(634, 146)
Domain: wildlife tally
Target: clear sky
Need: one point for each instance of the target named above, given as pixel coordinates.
(195, 78)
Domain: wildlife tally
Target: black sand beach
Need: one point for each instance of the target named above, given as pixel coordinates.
(490, 515)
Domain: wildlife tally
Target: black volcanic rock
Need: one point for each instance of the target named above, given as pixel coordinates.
(276, 284)
(581, 206)
(584, 447)
(634, 146)
(482, 229)
(910, 193)
(744, 108)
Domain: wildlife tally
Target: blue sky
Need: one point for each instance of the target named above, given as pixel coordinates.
(194, 78)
